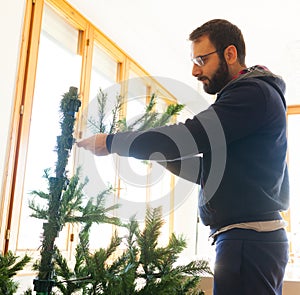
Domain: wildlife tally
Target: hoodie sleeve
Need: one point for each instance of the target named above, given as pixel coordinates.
(189, 169)
(236, 114)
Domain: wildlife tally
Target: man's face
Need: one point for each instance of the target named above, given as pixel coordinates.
(214, 74)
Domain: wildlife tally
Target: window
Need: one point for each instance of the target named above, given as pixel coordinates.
(293, 217)
(62, 49)
(58, 68)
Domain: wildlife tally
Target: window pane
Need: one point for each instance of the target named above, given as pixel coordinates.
(104, 70)
(133, 172)
(58, 68)
(103, 76)
(136, 100)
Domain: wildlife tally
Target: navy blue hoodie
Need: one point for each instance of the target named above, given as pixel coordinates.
(241, 137)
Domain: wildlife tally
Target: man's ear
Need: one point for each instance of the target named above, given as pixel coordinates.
(230, 54)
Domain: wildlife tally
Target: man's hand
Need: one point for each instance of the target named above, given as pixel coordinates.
(95, 144)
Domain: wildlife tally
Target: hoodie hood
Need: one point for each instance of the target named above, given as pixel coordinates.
(262, 73)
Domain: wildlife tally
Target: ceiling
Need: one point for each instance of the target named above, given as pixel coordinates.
(155, 32)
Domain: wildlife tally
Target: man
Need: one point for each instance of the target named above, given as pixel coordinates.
(243, 209)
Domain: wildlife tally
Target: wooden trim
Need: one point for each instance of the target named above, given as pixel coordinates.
(123, 76)
(15, 121)
(87, 45)
(109, 46)
(86, 67)
(69, 13)
(293, 109)
(21, 120)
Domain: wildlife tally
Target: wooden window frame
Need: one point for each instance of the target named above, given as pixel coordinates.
(12, 189)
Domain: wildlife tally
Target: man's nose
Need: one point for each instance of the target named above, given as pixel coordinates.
(196, 71)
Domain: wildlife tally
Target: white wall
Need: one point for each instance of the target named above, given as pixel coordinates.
(155, 32)
(11, 24)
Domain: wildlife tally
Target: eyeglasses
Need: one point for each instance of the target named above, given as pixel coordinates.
(198, 60)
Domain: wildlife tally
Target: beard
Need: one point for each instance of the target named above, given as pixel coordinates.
(218, 80)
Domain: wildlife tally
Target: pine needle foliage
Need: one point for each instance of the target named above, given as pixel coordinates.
(74, 205)
(149, 119)
(157, 264)
(91, 272)
(100, 123)
(9, 266)
(143, 267)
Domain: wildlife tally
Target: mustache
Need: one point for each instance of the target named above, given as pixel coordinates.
(202, 78)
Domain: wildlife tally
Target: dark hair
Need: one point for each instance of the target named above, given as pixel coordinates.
(221, 34)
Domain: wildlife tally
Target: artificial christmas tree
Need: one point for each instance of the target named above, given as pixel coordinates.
(142, 267)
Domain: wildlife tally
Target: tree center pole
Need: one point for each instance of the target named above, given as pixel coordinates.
(69, 106)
